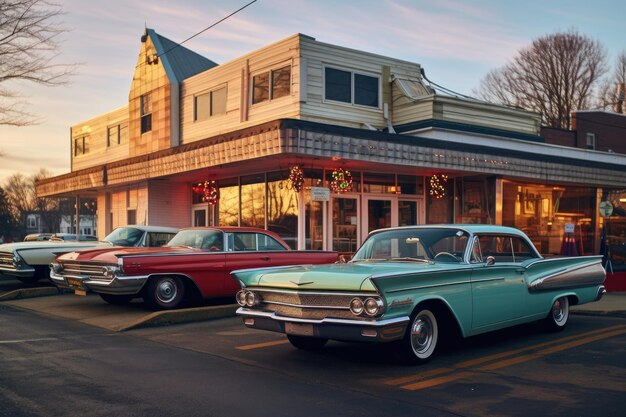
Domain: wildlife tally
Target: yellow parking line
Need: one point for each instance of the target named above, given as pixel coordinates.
(496, 356)
(577, 340)
(262, 345)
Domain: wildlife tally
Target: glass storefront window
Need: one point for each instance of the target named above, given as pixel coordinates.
(313, 213)
(545, 212)
(409, 184)
(253, 201)
(282, 208)
(439, 200)
(379, 183)
(228, 206)
(474, 200)
(614, 247)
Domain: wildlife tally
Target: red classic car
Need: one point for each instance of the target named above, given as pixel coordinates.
(197, 261)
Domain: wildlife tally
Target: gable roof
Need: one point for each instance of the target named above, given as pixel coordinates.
(179, 62)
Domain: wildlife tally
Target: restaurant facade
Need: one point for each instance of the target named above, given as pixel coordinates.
(323, 144)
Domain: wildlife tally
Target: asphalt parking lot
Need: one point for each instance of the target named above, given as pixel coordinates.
(92, 310)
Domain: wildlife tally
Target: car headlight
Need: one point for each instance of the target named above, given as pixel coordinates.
(247, 298)
(56, 267)
(373, 306)
(356, 306)
(109, 271)
(17, 259)
(241, 297)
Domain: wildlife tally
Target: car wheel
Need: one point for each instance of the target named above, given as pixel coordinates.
(559, 314)
(164, 293)
(306, 342)
(421, 338)
(117, 299)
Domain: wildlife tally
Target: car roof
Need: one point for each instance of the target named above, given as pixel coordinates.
(470, 228)
(149, 228)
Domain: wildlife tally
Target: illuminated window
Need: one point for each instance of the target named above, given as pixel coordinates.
(271, 85)
(146, 113)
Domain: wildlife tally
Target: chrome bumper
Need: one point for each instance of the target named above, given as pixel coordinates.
(118, 285)
(600, 293)
(18, 273)
(328, 328)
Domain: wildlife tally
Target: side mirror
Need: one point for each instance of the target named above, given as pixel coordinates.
(490, 261)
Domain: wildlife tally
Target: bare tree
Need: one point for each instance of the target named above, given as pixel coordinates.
(23, 200)
(555, 75)
(29, 47)
(613, 89)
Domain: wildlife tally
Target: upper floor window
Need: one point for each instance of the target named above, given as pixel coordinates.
(146, 113)
(118, 134)
(210, 104)
(591, 141)
(81, 145)
(270, 85)
(351, 87)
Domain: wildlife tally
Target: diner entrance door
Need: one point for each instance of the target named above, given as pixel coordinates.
(379, 212)
(345, 234)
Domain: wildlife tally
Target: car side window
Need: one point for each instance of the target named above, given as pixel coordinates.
(477, 256)
(505, 248)
(244, 242)
(268, 243)
(154, 239)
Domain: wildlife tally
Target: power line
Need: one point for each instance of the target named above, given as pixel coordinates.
(207, 28)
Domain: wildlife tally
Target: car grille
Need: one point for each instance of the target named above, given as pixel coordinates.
(94, 271)
(6, 260)
(309, 305)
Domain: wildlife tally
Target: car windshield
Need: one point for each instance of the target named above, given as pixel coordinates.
(208, 239)
(414, 244)
(125, 236)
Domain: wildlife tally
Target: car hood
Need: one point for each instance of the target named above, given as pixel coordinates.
(333, 277)
(111, 254)
(44, 244)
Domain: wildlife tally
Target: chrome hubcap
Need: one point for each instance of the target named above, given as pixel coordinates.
(166, 291)
(559, 312)
(421, 334)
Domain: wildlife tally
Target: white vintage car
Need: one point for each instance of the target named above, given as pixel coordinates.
(29, 261)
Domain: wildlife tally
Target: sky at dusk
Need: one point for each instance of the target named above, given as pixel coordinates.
(456, 41)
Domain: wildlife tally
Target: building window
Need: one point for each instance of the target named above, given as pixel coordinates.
(351, 87)
(271, 85)
(81, 145)
(113, 135)
(146, 113)
(591, 141)
(32, 222)
(210, 104)
(131, 217)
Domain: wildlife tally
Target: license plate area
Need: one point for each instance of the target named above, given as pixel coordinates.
(300, 329)
(74, 282)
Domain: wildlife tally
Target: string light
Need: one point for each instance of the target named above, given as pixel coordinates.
(296, 178)
(209, 191)
(438, 186)
(342, 181)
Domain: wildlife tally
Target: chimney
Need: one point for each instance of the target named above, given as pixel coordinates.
(619, 99)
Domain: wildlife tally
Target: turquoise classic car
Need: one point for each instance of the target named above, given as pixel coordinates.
(418, 285)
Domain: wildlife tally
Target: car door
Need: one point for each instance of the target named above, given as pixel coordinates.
(249, 250)
(499, 290)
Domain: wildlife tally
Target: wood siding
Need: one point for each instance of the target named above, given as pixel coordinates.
(169, 203)
(96, 130)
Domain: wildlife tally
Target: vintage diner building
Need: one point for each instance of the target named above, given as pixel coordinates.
(323, 144)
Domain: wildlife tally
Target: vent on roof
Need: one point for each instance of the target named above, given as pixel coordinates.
(413, 89)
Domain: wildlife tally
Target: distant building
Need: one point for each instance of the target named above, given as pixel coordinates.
(324, 144)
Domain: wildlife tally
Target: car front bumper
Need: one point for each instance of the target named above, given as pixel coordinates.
(24, 272)
(385, 330)
(118, 285)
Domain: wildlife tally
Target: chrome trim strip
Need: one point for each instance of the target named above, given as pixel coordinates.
(378, 323)
(306, 306)
(325, 293)
(488, 279)
(574, 276)
(445, 284)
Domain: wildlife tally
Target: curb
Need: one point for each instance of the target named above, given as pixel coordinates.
(186, 315)
(599, 313)
(29, 293)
